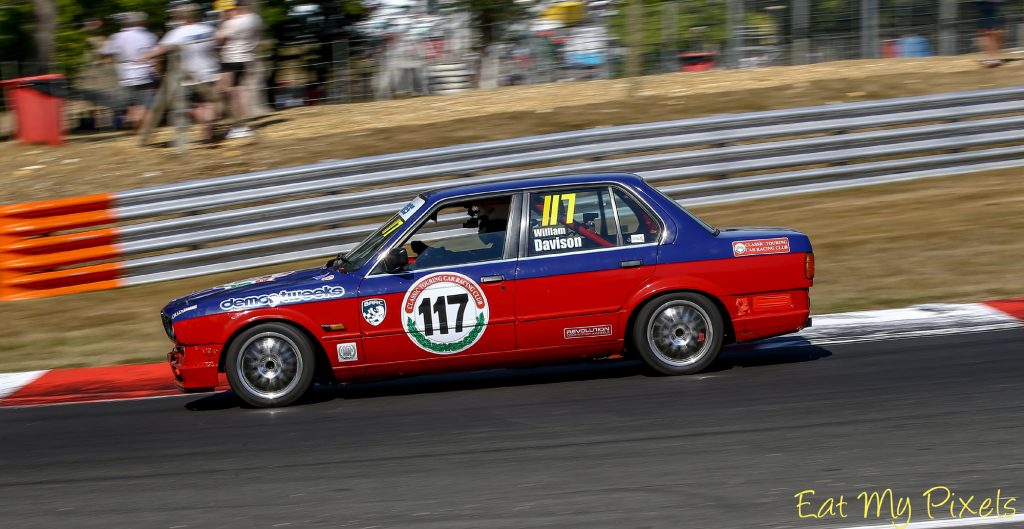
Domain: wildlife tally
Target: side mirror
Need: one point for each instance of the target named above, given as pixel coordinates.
(395, 260)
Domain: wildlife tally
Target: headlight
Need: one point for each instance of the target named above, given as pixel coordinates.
(168, 327)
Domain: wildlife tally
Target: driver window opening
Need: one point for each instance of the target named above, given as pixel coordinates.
(464, 232)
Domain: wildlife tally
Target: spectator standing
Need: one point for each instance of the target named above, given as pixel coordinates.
(990, 31)
(239, 36)
(127, 47)
(195, 42)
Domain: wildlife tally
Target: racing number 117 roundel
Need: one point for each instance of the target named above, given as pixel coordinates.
(445, 313)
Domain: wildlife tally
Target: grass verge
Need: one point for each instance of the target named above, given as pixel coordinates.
(946, 239)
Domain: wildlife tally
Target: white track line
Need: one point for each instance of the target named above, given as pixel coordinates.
(12, 382)
(974, 521)
(937, 319)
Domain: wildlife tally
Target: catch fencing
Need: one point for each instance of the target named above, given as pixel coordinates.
(257, 219)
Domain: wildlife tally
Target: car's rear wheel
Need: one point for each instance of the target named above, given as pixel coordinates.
(678, 333)
(271, 364)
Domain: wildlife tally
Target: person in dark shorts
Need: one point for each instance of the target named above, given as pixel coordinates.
(194, 41)
(137, 76)
(990, 31)
(239, 35)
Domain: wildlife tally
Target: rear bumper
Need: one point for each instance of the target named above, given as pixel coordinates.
(194, 366)
(763, 315)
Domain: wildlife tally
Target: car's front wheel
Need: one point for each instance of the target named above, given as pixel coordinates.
(678, 333)
(271, 364)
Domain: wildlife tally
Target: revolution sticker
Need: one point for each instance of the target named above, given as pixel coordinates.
(760, 247)
(445, 313)
(592, 331)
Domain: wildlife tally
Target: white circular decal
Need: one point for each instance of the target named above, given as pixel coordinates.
(445, 313)
(740, 248)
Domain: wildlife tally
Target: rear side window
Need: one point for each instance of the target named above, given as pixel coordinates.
(635, 222)
(571, 220)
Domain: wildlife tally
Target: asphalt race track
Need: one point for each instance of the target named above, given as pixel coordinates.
(587, 446)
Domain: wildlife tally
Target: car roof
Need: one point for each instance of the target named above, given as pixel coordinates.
(530, 183)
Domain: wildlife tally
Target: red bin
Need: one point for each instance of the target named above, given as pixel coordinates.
(38, 104)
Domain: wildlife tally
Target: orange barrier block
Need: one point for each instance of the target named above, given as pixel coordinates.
(32, 261)
(13, 294)
(18, 246)
(63, 206)
(59, 282)
(54, 260)
(43, 225)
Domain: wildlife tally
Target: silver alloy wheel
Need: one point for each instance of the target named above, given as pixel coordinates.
(679, 333)
(269, 365)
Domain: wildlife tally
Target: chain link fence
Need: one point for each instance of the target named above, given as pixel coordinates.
(420, 51)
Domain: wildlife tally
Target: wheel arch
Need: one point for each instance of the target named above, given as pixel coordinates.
(728, 332)
(323, 364)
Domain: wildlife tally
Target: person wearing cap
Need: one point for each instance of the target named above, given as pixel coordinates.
(195, 41)
(239, 36)
(127, 48)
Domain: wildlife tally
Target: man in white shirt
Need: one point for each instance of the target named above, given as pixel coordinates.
(239, 36)
(138, 76)
(195, 42)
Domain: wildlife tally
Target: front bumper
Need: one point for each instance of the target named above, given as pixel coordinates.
(194, 366)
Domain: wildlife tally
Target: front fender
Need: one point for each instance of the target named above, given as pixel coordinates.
(219, 328)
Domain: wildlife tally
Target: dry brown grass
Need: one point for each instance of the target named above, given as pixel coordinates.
(91, 164)
(949, 239)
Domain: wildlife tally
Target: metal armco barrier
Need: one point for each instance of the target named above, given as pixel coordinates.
(241, 221)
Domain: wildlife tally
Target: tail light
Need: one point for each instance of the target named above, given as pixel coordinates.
(809, 265)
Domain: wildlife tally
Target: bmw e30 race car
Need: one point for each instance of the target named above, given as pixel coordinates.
(496, 275)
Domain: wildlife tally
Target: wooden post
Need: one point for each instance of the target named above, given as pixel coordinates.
(870, 46)
(947, 27)
(635, 28)
(734, 21)
(801, 34)
(170, 96)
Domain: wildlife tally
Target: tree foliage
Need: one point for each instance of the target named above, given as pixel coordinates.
(491, 18)
(17, 23)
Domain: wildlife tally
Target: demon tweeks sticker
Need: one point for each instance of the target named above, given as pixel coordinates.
(760, 247)
(445, 313)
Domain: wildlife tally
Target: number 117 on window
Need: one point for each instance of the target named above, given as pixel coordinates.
(551, 206)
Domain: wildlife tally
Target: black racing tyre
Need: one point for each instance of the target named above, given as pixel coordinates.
(270, 365)
(679, 333)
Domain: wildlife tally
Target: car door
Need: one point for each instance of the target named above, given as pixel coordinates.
(456, 297)
(579, 263)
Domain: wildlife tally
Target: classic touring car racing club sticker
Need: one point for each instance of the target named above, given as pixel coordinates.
(445, 313)
(760, 247)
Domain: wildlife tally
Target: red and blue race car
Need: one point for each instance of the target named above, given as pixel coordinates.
(505, 274)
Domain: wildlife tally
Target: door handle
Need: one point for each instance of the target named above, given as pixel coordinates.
(492, 279)
(631, 264)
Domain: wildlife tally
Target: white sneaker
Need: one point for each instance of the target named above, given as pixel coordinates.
(239, 132)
